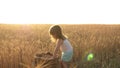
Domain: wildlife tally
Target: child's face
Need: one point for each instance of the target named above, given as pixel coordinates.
(53, 36)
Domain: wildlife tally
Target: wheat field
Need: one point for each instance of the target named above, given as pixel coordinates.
(19, 44)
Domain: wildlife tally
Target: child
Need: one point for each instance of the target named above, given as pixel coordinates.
(62, 44)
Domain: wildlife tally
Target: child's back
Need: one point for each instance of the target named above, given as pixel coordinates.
(66, 46)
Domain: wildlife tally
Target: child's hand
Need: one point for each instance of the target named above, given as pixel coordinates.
(51, 58)
(55, 56)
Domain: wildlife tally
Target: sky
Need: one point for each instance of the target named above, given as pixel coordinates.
(60, 11)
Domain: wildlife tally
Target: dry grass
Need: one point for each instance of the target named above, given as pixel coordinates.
(19, 44)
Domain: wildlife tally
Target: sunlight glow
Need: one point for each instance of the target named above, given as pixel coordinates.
(59, 12)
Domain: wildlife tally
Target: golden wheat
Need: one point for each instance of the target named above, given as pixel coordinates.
(19, 44)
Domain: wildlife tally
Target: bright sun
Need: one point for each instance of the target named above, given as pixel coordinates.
(59, 12)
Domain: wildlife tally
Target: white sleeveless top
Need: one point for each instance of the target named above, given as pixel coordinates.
(66, 46)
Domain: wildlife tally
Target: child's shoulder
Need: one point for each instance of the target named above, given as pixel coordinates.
(59, 41)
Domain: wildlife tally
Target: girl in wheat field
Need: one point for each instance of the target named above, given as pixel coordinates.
(62, 44)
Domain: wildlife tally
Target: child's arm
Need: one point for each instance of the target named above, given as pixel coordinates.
(58, 43)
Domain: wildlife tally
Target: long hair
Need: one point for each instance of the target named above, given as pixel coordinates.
(56, 33)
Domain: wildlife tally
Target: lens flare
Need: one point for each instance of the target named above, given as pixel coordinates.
(90, 56)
